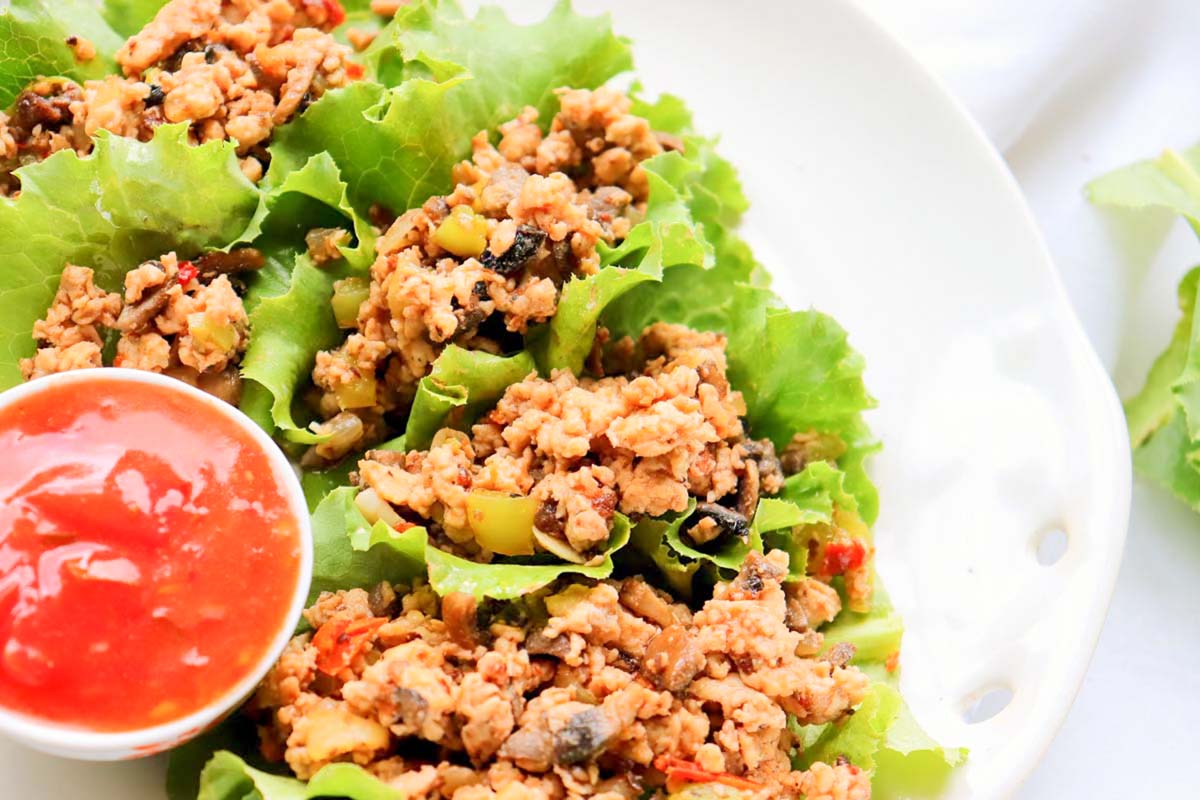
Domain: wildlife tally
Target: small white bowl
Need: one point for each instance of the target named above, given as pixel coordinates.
(76, 742)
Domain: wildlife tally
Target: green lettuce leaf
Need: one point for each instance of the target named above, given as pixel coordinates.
(667, 237)
(127, 17)
(506, 581)
(228, 777)
(1164, 417)
(876, 635)
(883, 738)
(453, 77)
(1171, 182)
(807, 498)
(33, 37)
(460, 386)
(796, 369)
(512, 65)
(728, 552)
(359, 16)
(290, 314)
(237, 733)
(649, 539)
(1171, 458)
(287, 331)
(123, 206)
(349, 552)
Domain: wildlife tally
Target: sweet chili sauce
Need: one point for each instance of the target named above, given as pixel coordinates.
(148, 555)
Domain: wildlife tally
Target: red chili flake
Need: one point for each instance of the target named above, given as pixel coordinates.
(681, 772)
(337, 14)
(187, 272)
(893, 662)
(841, 557)
(354, 71)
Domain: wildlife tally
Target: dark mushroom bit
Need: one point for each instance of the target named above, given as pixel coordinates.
(564, 694)
(711, 521)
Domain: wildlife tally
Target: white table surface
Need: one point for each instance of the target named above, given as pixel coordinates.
(1069, 90)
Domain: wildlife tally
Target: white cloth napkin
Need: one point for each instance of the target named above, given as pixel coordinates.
(1067, 90)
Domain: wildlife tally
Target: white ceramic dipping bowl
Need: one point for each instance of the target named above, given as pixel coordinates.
(76, 742)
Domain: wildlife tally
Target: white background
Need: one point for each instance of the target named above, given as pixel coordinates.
(1069, 89)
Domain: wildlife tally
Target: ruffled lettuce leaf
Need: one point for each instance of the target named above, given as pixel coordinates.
(512, 65)
(237, 733)
(649, 539)
(33, 36)
(349, 552)
(667, 237)
(1164, 417)
(110, 211)
(727, 553)
(394, 147)
(461, 385)
(883, 738)
(508, 581)
(228, 777)
(1170, 182)
(796, 369)
(319, 482)
(808, 498)
(452, 78)
(876, 634)
(288, 301)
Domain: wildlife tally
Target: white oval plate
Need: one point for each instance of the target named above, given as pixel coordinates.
(878, 200)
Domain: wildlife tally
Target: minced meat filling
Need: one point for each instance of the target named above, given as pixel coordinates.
(643, 443)
(183, 319)
(489, 259)
(613, 687)
(234, 69)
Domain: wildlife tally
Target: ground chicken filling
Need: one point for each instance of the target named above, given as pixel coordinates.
(478, 266)
(180, 318)
(233, 69)
(561, 456)
(604, 690)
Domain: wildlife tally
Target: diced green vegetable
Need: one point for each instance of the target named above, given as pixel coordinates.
(216, 335)
(357, 393)
(348, 296)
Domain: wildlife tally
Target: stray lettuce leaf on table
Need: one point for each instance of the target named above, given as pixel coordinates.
(111, 210)
(1164, 417)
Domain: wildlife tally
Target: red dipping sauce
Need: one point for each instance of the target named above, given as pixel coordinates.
(149, 555)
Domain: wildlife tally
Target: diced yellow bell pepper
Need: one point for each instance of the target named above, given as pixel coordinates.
(501, 522)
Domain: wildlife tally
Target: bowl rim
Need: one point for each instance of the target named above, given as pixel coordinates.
(80, 742)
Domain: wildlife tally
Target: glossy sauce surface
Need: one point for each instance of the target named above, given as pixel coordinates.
(148, 555)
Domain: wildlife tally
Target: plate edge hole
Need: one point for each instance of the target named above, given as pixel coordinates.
(1050, 544)
(986, 704)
